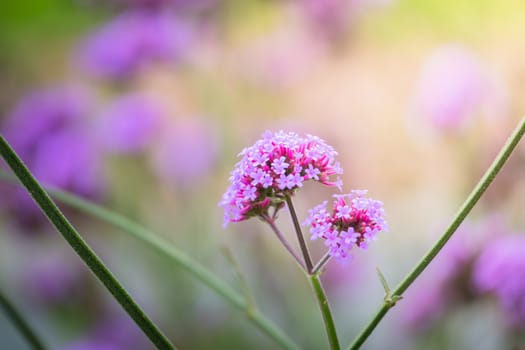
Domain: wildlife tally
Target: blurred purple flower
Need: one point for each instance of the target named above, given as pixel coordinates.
(500, 270)
(53, 278)
(49, 130)
(446, 282)
(42, 114)
(112, 333)
(133, 40)
(332, 19)
(430, 295)
(451, 88)
(68, 159)
(129, 124)
(179, 5)
(186, 153)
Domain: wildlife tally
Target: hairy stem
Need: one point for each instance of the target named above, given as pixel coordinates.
(20, 323)
(465, 209)
(83, 250)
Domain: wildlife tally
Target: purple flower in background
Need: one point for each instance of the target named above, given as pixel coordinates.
(54, 277)
(448, 280)
(334, 18)
(452, 86)
(129, 124)
(278, 163)
(331, 16)
(43, 113)
(354, 222)
(437, 289)
(186, 153)
(133, 40)
(49, 130)
(112, 333)
(179, 5)
(500, 270)
(69, 160)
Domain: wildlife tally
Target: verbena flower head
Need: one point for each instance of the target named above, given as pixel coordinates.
(354, 220)
(276, 165)
(500, 270)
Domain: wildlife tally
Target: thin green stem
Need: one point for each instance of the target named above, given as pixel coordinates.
(251, 304)
(324, 260)
(300, 237)
(465, 209)
(316, 282)
(83, 250)
(284, 242)
(20, 323)
(180, 258)
(326, 312)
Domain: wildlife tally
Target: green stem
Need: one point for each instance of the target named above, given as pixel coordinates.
(270, 221)
(316, 282)
(465, 209)
(180, 258)
(251, 305)
(21, 324)
(83, 250)
(325, 310)
(324, 260)
(300, 237)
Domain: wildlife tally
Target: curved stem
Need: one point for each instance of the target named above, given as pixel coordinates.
(465, 209)
(326, 312)
(283, 240)
(83, 250)
(300, 237)
(21, 324)
(180, 258)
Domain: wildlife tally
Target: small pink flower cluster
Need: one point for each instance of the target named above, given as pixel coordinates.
(354, 221)
(275, 165)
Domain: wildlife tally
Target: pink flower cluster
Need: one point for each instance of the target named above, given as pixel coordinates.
(276, 165)
(355, 220)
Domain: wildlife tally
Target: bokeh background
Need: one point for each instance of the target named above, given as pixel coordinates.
(143, 105)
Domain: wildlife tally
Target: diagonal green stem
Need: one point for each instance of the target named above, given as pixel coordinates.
(315, 281)
(83, 250)
(177, 256)
(465, 209)
(300, 237)
(21, 324)
(327, 313)
(324, 260)
(270, 221)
